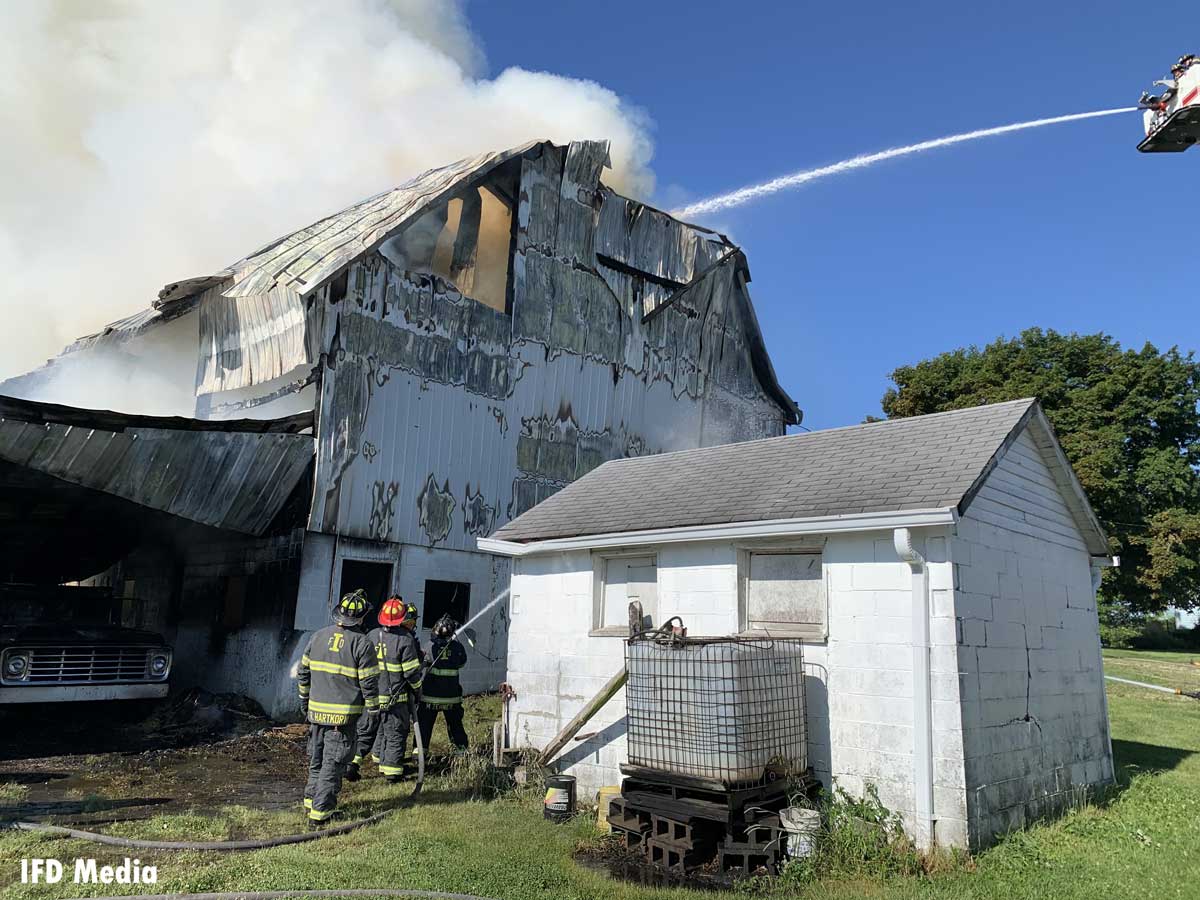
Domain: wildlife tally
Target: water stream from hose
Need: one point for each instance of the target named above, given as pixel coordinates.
(786, 182)
(503, 595)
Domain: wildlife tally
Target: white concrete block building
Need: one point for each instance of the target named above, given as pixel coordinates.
(941, 571)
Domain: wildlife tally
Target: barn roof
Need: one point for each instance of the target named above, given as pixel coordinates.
(305, 259)
(931, 462)
(234, 474)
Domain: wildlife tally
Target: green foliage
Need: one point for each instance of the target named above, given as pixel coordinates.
(472, 774)
(1129, 423)
(859, 837)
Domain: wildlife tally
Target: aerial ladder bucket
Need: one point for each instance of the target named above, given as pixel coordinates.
(1173, 124)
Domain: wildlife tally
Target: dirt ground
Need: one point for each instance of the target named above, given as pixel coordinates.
(185, 756)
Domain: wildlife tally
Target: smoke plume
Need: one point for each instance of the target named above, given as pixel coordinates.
(148, 141)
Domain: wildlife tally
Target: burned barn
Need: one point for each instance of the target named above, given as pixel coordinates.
(365, 398)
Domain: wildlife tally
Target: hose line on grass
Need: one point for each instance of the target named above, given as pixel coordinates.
(283, 840)
(278, 895)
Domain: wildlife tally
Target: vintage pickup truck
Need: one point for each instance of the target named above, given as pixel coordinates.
(55, 663)
(63, 643)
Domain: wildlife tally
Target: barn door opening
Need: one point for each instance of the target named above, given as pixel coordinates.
(375, 579)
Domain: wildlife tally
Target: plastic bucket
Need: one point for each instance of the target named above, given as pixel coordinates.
(801, 826)
(559, 803)
(602, 802)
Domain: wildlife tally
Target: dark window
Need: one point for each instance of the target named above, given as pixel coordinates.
(338, 287)
(375, 578)
(452, 598)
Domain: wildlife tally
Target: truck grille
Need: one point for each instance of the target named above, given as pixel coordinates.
(88, 665)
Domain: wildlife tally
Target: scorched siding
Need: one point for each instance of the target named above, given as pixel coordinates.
(442, 418)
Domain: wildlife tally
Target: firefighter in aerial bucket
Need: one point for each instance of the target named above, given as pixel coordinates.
(441, 691)
(1171, 119)
(400, 674)
(338, 680)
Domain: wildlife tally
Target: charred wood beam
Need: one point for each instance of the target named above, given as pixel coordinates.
(684, 288)
(612, 263)
(466, 242)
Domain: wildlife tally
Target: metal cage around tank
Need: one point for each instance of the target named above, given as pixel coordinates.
(729, 712)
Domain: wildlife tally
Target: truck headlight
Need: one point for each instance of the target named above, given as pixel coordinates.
(159, 664)
(16, 665)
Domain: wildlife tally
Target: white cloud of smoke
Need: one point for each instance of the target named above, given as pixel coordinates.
(148, 141)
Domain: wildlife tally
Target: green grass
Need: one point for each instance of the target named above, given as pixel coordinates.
(1142, 841)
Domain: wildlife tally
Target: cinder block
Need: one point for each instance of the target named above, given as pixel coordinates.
(949, 745)
(941, 576)
(862, 708)
(872, 736)
(943, 659)
(948, 715)
(880, 576)
(948, 773)
(869, 655)
(942, 603)
(1001, 659)
(1003, 686)
(1011, 588)
(979, 579)
(945, 631)
(894, 603)
(936, 550)
(1000, 712)
(1005, 634)
(885, 683)
(974, 633)
(974, 606)
(883, 629)
(950, 802)
(856, 603)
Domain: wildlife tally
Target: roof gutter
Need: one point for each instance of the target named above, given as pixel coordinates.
(770, 528)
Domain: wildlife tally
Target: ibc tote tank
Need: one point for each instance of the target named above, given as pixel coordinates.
(724, 710)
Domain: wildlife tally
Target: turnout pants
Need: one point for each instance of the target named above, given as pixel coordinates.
(330, 748)
(391, 740)
(366, 738)
(427, 717)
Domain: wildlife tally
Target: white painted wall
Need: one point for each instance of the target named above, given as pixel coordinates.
(1035, 724)
(859, 687)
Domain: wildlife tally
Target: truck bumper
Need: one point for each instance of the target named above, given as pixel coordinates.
(65, 693)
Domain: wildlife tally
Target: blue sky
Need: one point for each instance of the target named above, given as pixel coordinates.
(1065, 227)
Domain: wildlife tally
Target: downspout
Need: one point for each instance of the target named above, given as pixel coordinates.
(922, 691)
(1097, 576)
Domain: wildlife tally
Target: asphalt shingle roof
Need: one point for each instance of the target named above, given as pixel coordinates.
(923, 462)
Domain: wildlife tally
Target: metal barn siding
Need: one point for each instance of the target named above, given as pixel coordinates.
(442, 418)
(233, 480)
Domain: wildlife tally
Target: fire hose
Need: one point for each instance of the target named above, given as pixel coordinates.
(263, 844)
(278, 895)
(1195, 695)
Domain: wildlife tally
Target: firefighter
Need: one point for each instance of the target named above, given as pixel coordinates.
(400, 673)
(441, 691)
(338, 681)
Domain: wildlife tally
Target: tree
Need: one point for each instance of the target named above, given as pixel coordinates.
(1129, 423)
